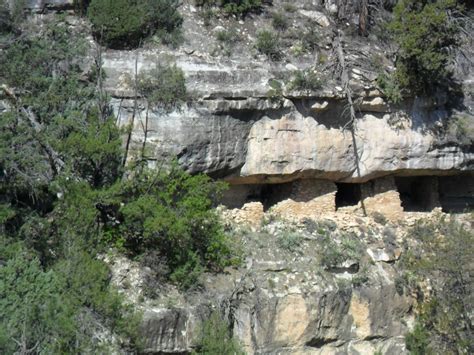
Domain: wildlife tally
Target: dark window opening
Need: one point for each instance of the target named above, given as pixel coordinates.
(456, 193)
(271, 194)
(414, 193)
(347, 195)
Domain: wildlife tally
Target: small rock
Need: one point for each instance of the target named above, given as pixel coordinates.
(317, 16)
(319, 107)
(374, 93)
(218, 29)
(291, 67)
(375, 105)
(333, 9)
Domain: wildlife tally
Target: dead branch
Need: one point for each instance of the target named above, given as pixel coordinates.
(57, 164)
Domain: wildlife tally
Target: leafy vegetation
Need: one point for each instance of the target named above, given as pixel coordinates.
(310, 38)
(125, 24)
(441, 258)
(239, 8)
(169, 212)
(305, 80)
(390, 87)
(289, 240)
(461, 129)
(227, 39)
(54, 291)
(334, 253)
(163, 86)
(425, 34)
(64, 201)
(269, 44)
(279, 21)
(217, 339)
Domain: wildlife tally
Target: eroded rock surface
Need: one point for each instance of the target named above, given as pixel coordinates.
(288, 297)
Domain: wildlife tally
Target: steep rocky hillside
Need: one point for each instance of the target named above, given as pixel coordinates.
(329, 179)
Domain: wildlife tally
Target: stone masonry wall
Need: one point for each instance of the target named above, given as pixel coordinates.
(381, 196)
(309, 198)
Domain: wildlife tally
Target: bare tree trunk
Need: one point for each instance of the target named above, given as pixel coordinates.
(363, 17)
(55, 161)
(352, 116)
(145, 133)
(135, 108)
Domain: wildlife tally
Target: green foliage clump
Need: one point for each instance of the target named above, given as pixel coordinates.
(171, 213)
(417, 341)
(239, 8)
(227, 39)
(216, 338)
(54, 139)
(288, 7)
(125, 24)
(279, 21)
(227, 36)
(310, 38)
(163, 86)
(333, 253)
(276, 90)
(390, 87)
(269, 44)
(290, 241)
(5, 18)
(305, 80)
(425, 33)
(442, 257)
(56, 310)
(461, 129)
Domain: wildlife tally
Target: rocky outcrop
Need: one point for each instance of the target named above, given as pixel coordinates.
(293, 154)
(232, 128)
(290, 299)
(44, 5)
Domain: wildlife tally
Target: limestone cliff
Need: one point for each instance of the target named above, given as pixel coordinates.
(293, 155)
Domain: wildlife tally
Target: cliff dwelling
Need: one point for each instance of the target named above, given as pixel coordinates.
(388, 195)
(347, 194)
(418, 193)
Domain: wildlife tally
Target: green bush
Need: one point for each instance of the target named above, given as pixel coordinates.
(305, 80)
(163, 86)
(240, 7)
(227, 36)
(233, 7)
(171, 213)
(289, 7)
(6, 24)
(332, 254)
(125, 24)
(390, 87)
(310, 38)
(441, 258)
(47, 310)
(461, 129)
(290, 241)
(425, 33)
(279, 21)
(217, 339)
(417, 341)
(268, 44)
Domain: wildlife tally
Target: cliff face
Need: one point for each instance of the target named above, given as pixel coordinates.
(246, 124)
(235, 127)
(292, 296)
(296, 153)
